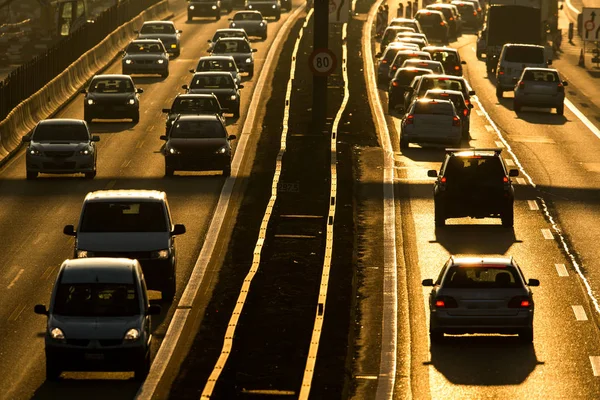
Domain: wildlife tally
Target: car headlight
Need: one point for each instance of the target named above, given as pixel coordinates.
(132, 335)
(128, 61)
(233, 97)
(57, 334)
(84, 254)
(222, 150)
(173, 45)
(233, 24)
(85, 152)
(248, 60)
(160, 254)
(274, 6)
(34, 152)
(90, 101)
(131, 101)
(161, 61)
(214, 7)
(261, 24)
(173, 151)
(192, 7)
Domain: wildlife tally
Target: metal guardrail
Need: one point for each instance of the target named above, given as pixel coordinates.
(36, 73)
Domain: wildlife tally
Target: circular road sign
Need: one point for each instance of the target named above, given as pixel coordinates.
(589, 25)
(322, 62)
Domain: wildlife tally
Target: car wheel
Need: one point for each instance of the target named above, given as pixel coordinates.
(31, 175)
(136, 118)
(517, 107)
(143, 368)
(508, 218)
(168, 292)
(499, 93)
(526, 335)
(165, 74)
(190, 18)
(277, 17)
(436, 337)
(218, 16)
(439, 217)
(169, 171)
(251, 72)
(90, 175)
(53, 371)
(236, 114)
(227, 171)
(403, 143)
(264, 36)
(560, 110)
(479, 54)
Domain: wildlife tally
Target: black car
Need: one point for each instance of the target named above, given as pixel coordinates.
(239, 49)
(111, 97)
(221, 84)
(268, 8)
(454, 25)
(434, 25)
(473, 183)
(449, 58)
(192, 104)
(197, 143)
(204, 8)
(400, 82)
(225, 33)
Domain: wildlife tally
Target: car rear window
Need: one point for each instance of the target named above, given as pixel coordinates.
(217, 81)
(540, 76)
(433, 108)
(426, 18)
(400, 58)
(482, 276)
(524, 54)
(198, 130)
(232, 46)
(62, 132)
(123, 216)
(191, 106)
(458, 101)
(476, 168)
(157, 28)
(405, 77)
(444, 56)
(390, 53)
(96, 300)
(441, 83)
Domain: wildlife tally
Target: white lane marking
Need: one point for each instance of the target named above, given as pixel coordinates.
(521, 181)
(269, 392)
(561, 270)
(489, 128)
(579, 312)
(473, 48)
(595, 361)
(211, 383)
(583, 118)
(125, 164)
(110, 184)
(498, 144)
(533, 205)
(388, 368)
(509, 162)
(369, 377)
(479, 113)
(16, 313)
(167, 347)
(16, 278)
(547, 234)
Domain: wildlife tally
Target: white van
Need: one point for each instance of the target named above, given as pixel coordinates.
(514, 58)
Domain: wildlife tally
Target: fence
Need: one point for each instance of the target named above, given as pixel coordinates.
(33, 75)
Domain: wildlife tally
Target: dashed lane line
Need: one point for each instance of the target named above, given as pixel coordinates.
(595, 361)
(579, 312)
(533, 205)
(547, 233)
(561, 269)
(16, 278)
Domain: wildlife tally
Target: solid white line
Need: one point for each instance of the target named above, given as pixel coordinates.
(12, 283)
(561, 270)
(579, 312)
(547, 234)
(159, 365)
(583, 118)
(533, 206)
(595, 361)
(389, 330)
(241, 301)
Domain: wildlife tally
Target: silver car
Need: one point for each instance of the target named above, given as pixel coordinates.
(540, 87)
(98, 318)
(145, 56)
(251, 21)
(165, 31)
(61, 146)
(410, 22)
(431, 122)
(405, 55)
(481, 295)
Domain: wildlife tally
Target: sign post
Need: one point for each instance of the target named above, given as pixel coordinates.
(320, 41)
(339, 11)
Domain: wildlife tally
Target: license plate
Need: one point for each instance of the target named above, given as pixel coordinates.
(94, 356)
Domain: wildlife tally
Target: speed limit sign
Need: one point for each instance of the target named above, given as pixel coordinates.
(322, 62)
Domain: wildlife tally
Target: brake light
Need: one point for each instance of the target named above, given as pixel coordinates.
(479, 9)
(445, 302)
(520, 302)
(442, 79)
(561, 88)
(394, 83)
(442, 23)
(451, 18)
(501, 70)
(444, 94)
(467, 102)
(465, 112)
(505, 179)
(475, 13)
(455, 121)
(521, 85)
(384, 61)
(443, 180)
(410, 119)
(456, 67)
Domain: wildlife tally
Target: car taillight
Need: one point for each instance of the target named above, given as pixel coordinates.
(467, 102)
(456, 67)
(465, 112)
(442, 23)
(501, 70)
(451, 18)
(384, 61)
(479, 9)
(561, 88)
(394, 66)
(505, 179)
(410, 119)
(445, 302)
(443, 180)
(394, 83)
(474, 13)
(455, 121)
(520, 302)
(521, 85)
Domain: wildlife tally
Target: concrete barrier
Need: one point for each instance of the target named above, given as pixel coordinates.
(48, 100)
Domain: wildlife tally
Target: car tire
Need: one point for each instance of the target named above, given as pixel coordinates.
(264, 36)
(236, 114)
(136, 118)
(479, 55)
(439, 217)
(277, 17)
(517, 107)
(142, 369)
(165, 74)
(251, 72)
(560, 110)
(53, 371)
(508, 218)
(189, 18)
(31, 175)
(436, 337)
(169, 171)
(168, 292)
(218, 16)
(499, 93)
(227, 171)
(90, 175)
(526, 335)
(403, 143)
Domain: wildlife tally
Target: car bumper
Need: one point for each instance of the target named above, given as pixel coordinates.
(442, 321)
(129, 69)
(432, 136)
(110, 111)
(95, 358)
(67, 165)
(539, 100)
(484, 205)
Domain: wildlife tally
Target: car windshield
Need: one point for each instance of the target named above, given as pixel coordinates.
(216, 65)
(111, 86)
(96, 300)
(198, 130)
(524, 55)
(433, 108)
(138, 47)
(232, 46)
(157, 28)
(242, 16)
(482, 277)
(540, 76)
(124, 216)
(476, 168)
(194, 106)
(224, 81)
(62, 132)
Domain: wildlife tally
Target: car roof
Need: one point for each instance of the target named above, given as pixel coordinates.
(113, 76)
(438, 5)
(437, 76)
(483, 152)
(540, 69)
(98, 270)
(440, 48)
(482, 261)
(146, 41)
(126, 194)
(212, 73)
(411, 69)
(195, 96)
(428, 11)
(230, 30)
(450, 92)
(248, 12)
(228, 58)
(433, 101)
(158, 22)
(524, 45)
(61, 121)
(198, 117)
(232, 38)
(400, 19)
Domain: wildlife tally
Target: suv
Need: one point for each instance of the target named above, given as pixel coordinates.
(473, 183)
(452, 17)
(449, 58)
(540, 87)
(513, 59)
(130, 224)
(98, 318)
(61, 146)
(434, 25)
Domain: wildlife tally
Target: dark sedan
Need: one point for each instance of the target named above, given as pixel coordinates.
(164, 31)
(239, 49)
(221, 84)
(197, 143)
(111, 97)
(192, 104)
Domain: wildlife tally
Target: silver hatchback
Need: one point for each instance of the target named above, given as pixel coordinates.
(481, 295)
(540, 87)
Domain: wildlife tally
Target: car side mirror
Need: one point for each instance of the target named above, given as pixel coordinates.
(166, 110)
(40, 309)
(95, 138)
(471, 93)
(83, 91)
(513, 172)
(136, 31)
(139, 90)
(463, 62)
(192, 71)
(184, 87)
(231, 137)
(427, 282)
(179, 31)
(533, 282)
(209, 41)
(549, 62)
(432, 173)
(179, 229)
(26, 139)
(164, 137)
(254, 50)
(69, 230)
(154, 309)
(240, 86)
(470, 106)
(565, 83)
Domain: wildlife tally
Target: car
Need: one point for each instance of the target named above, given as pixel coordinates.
(434, 25)
(286, 5)
(221, 84)
(435, 66)
(268, 8)
(219, 63)
(482, 43)
(133, 224)
(165, 31)
(385, 61)
(251, 21)
(473, 183)
(480, 10)
(225, 33)
(429, 121)
(421, 42)
(451, 15)
(540, 87)
(204, 8)
(408, 22)
(400, 82)
(111, 96)
(468, 13)
(390, 34)
(447, 82)
(481, 295)
(239, 49)
(61, 146)
(99, 318)
(462, 108)
(192, 104)
(513, 58)
(402, 35)
(403, 55)
(197, 143)
(448, 56)
(145, 56)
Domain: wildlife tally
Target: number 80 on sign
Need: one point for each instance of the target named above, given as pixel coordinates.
(322, 62)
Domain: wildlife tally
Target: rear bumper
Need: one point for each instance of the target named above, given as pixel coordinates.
(462, 205)
(75, 358)
(539, 100)
(433, 136)
(441, 321)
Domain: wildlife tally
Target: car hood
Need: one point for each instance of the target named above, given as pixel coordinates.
(95, 328)
(123, 241)
(196, 144)
(145, 56)
(60, 146)
(242, 24)
(162, 36)
(110, 96)
(217, 92)
(238, 57)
